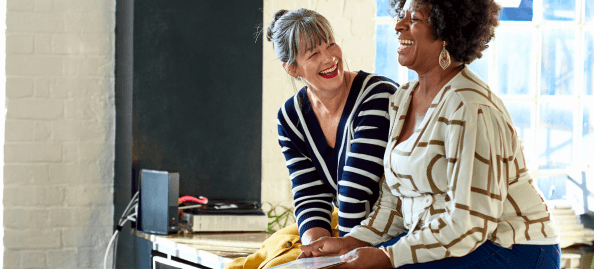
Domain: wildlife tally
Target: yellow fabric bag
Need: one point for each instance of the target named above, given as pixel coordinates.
(281, 247)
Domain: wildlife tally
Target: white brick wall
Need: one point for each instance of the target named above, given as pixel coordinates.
(354, 29)
(59, 133)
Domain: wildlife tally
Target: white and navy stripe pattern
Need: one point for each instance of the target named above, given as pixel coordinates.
(347, 174)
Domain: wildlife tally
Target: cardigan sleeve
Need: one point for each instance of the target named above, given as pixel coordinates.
(479, 144)
(312, 199)
(358, 187)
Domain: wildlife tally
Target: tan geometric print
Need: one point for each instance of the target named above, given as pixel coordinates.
(463, 166)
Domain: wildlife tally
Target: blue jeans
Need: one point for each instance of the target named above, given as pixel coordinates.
(491, 256)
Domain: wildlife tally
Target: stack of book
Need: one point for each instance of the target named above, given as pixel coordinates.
(571, 232)
(225, 216)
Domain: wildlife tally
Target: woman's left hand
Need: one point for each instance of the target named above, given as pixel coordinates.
(365, 257)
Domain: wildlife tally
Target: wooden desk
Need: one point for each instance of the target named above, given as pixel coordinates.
(212, 250)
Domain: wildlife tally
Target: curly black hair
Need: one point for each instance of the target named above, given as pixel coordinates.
(466, 25)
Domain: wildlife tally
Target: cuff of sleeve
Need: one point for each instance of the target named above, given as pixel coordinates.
(312, 224)
(400, 253)
(388, 254)
(365, 234)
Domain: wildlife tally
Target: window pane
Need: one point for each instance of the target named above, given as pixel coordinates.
(559, 10)
(386, 52)
(523, 12)
(588, 63)
(412, 75)
(557, 70)
(555, 135)
(521, 113)
(589, 11)
(382, 8)
(588, 134)
(553, 188)
(514, 60)
(481, 66)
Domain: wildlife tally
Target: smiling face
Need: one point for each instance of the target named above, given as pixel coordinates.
(321, 68)
(418, 50)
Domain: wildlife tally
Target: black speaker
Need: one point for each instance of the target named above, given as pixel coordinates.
(159, 194)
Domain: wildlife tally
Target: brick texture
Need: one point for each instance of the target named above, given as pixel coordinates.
(59, 133)
(59, 148)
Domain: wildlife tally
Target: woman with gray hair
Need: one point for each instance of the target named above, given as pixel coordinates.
(333, 133)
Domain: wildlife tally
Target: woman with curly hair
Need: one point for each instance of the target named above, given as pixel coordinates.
(457, 192)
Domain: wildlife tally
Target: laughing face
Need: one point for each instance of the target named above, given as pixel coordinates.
(321, 68)
(418, 50)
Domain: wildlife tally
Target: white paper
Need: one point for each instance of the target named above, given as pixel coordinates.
(311, 263)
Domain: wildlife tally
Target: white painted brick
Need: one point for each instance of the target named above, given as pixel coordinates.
(82, 109)
(32, 152)
(94, 131)
(360, 10)
(42, 87)
(43, 44)
(20, 5)
(21, 65)
(31, 239)
(31, 22)
(43, 5)
(97, 6)
(19, 87)
(84, 236)
(19, 44)
(61, 217)
(64, 173)
(39, 219)
(79, 87)
(34, 109)
(83, 257)
(62, 258)
(69, 152)
(87, 195)
(88, 22)
(12, 259)
(16, 218)
(80, 173)
(26, 174)
(92, 256)
(33, 196)
(19, 130)
(33, 259)
(54, 196)
(89, 65)
(88, 152)
(93, 216)
(24, 218)
(67, 130)
(43, 131)
(89, 44)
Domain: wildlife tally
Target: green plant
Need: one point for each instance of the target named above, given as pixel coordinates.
(279, 216)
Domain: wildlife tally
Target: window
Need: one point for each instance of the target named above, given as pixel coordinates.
(540, 63)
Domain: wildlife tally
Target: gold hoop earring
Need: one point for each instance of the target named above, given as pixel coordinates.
(444, 58)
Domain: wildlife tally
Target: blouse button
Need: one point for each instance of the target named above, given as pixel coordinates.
(288, 244)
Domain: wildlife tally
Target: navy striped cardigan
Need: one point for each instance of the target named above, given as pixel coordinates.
(347, 175)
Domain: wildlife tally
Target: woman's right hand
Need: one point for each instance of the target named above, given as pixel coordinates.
(331, 246)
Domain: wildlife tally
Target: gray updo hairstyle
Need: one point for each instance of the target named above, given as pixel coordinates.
(290, 28)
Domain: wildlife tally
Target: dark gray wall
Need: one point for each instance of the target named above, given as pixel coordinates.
(188, 100)
(197, 103)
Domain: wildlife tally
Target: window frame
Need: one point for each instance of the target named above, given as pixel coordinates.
(578, 100)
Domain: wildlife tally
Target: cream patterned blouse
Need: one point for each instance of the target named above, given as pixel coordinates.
(459, 180)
